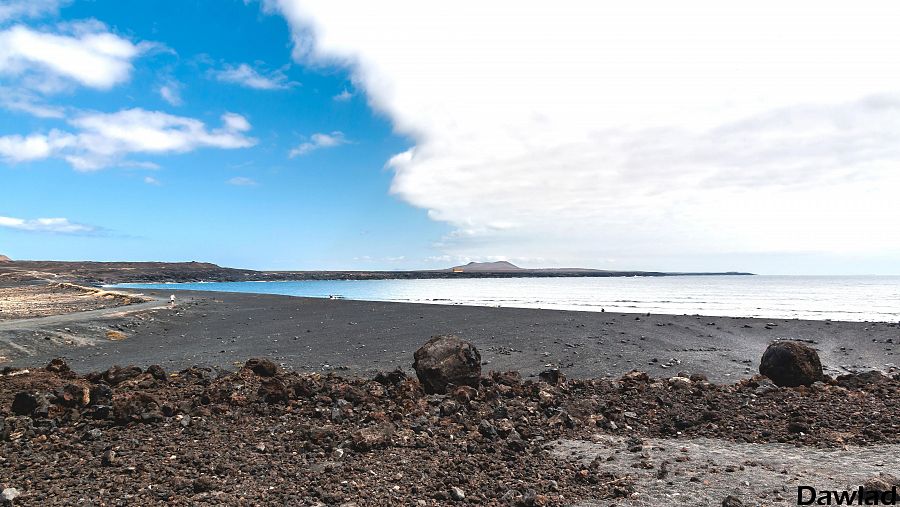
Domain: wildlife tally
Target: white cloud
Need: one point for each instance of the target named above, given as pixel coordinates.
(640, 130)
(150, 180)
(18, 9)
(249, 77)
(171, 93)
(23, 101)
(344, 96)
(317, 141)
(242, 181)
(105, 139)
(54, 225)
(16, 148)
(85, 52)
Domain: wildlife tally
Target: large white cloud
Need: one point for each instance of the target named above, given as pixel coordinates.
(86, 53)
(581, 131)
(104, 139)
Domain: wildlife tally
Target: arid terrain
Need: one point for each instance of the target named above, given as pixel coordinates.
(259, 435)
(46, 299)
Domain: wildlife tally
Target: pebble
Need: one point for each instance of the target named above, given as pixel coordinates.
(457, 494)
(10, 494)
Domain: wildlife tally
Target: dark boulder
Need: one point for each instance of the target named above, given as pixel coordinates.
(731, 501)
(261, 366)
(791, 364)
(447, 360)
(24, 403)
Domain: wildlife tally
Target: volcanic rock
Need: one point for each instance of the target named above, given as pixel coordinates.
(9, 494)
(273, 390)
(731, 501)
(157, 372)
(447, 360)
(861, 380)
(24, 403)
(58, 365)
(262, 367)
(136, 407)
(118, 374)
(882, 483)
(552, 376)
(791, 364)
(390, 378)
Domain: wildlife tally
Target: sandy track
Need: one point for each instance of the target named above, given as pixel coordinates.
(703, 471)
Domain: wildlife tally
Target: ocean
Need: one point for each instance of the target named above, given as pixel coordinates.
(849, 298)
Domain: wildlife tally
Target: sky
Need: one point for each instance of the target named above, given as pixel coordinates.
(334, 134)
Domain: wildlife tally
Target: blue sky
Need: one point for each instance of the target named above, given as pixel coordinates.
(344, 134)
(255, 206)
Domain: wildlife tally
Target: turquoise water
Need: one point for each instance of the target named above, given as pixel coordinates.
(852, 298)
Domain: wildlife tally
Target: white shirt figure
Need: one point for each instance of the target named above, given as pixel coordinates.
(172, 300)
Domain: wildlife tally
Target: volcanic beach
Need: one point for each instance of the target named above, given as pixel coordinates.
(359, 337)
(121, 397)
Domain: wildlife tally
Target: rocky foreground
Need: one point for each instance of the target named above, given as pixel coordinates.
(260, 435)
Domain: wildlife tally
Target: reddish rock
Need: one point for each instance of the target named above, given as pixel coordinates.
(118, 374)
(262, 367)
(58, 365)
(447, 360)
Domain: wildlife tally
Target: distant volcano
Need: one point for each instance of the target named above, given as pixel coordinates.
(4, 258)
(487, 267)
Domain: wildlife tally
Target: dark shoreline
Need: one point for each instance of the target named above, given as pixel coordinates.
(361, 337)
(109, 273)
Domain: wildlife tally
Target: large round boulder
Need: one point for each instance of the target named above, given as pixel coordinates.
(447, 360)
(791, 364)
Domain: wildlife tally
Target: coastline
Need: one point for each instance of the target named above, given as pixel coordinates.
(361, 337)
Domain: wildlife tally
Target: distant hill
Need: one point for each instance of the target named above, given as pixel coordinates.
(491, 267)
(4, 258)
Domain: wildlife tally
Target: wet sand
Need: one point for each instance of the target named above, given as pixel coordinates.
(358, 337)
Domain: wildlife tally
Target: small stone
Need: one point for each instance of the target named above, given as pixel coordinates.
(731, 501)
(552, 376)
(93, 434)
(457, 494)
(204, 484)
(109, 458)
(58, 365)
(10, 494)
(157, 372)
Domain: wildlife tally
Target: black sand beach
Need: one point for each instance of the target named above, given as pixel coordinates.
(357, 337)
